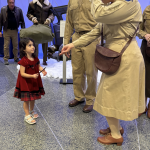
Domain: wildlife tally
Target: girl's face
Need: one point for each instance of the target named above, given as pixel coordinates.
(107, 1)
(30, 49)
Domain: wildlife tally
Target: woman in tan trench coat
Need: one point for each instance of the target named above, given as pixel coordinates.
(144, 33)
(120, 96)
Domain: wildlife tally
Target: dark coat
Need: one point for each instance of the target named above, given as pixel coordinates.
(41, 13)
(18, 15)
(147, 66)
(143, 30)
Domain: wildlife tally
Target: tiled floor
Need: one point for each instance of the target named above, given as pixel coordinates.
(59, 126)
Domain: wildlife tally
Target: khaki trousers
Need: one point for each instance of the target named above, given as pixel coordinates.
(10, 34)
(44, 48)
(83, 66)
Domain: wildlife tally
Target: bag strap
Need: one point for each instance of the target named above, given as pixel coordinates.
(124, 48)
(102, 38)
(128, 43)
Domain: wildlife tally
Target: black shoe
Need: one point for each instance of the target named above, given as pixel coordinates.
(44, 63)
(16, 60)
(6, 62)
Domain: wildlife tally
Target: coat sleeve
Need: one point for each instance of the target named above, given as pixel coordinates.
(51, 14)
(141, 32)
(21, 20)
(30, 12)
(68, 27)
(89, 37)
(118, 12)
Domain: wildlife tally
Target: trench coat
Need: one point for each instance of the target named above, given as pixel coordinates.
(121, 95)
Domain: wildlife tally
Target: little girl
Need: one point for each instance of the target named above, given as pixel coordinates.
(29, 84)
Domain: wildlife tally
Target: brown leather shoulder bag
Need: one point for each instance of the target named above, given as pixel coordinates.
(107, 60)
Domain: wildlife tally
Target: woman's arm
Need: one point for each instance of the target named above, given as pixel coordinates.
(118, 12)
(83, 41)
(25, 75)
(89, 37)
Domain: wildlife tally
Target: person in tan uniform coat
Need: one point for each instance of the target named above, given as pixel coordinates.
(80, 20)
(144, 33)
(120, 96)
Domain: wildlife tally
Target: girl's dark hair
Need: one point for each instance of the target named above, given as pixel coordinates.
(22, 46)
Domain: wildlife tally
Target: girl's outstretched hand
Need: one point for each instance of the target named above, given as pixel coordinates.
(66, 50)
(35, 75)
(44, 73)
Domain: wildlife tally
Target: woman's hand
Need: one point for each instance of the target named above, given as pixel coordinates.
(147, 37)
(44, 73)
(35, 76)
(66, 49)
(35, 21)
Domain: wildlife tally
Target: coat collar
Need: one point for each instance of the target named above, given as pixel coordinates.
(46, 2)
(7, 8)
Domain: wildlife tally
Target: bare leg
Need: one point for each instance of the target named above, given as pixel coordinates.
(32, 105)
(26, 110)
(34, 115)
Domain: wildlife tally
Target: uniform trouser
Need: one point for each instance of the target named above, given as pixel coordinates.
(83, 66)
(44, 48)
(10, 34)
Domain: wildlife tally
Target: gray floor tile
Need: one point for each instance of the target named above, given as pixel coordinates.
(17, 134)
(58, 125)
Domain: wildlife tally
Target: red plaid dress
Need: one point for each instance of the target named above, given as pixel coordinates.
(28, 89)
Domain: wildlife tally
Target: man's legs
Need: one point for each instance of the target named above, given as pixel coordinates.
(91, 72)
(36, 50)
(14, 37)
(78, 74)
(44, 48)
(78, 70)
(6, 35)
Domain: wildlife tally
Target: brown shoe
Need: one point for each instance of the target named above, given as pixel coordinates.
(108, 139)
(76, 102)
(44, 63)
(143, 112)
(106, 131)
(87, 108)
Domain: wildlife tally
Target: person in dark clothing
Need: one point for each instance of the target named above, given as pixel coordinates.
(10, 19)
(41, 11)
